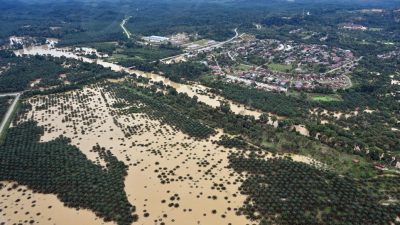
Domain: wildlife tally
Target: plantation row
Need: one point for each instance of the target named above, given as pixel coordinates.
(257, 132)
(4, 104)
(167, 114)
(51, 72)
(231, 142)
(281, 191)
(59, 168)
(374, 134)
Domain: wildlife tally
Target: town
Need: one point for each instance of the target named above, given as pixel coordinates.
(285, 64)
(269, 64)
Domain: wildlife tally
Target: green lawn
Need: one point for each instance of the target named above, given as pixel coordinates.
(101, 44)
(202, 42)
(142, 54)
(325, 98)
(147, 54)
(244, 67)
(279, 67)
(341, 162)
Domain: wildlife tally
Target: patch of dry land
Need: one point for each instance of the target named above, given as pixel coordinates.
(172, 177)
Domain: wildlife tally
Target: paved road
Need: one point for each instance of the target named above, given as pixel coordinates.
(10, 110)
(349, 82)
(10, 94)
(333, 70)
(205, 48)
(126, 31)
(227, 41)
(230, 56)
(258, 84)
(216, 61)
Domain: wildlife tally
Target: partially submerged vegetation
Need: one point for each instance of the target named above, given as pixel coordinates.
(45, 72)
(160, 110)
(177, 149)
(281, 191)
(62, 169)
(258, 132)
(135, 96)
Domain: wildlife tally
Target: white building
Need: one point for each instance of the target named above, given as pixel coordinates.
(156, 39)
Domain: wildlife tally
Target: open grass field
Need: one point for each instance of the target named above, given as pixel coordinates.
(244, 67)
(324, 97)
(150, 54)
(279, 67)
(201, 42)
(102, 46)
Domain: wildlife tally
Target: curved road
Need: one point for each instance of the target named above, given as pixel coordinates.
(204, 48)
(126, 31)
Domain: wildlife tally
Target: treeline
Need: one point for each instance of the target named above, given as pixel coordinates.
(257, 132)
(139, 56)
(280, 191)
(76, 22)
(73, 22)
(154, 106)
(178, 72)
(324, 22)
(183, 70)
(276, 103)
(209, 20)
(81, 22)
(368, 134)
(20, 72)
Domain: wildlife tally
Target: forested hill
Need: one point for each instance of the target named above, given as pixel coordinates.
(84, 21)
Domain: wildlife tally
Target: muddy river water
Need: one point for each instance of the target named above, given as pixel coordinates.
(191, 89)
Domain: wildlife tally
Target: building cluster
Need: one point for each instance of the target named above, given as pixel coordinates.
(372, 10)
(156, 39)
(390, 55)
(304, 66)
(291, 53)
(256, 84)
(201, 46)
(282, 81)
(351, 26)
(179, 39)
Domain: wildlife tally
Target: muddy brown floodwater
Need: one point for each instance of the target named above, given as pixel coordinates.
(20, 205)
(183, 88)
(172, 178)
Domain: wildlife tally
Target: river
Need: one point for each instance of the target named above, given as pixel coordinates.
(190, 89)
